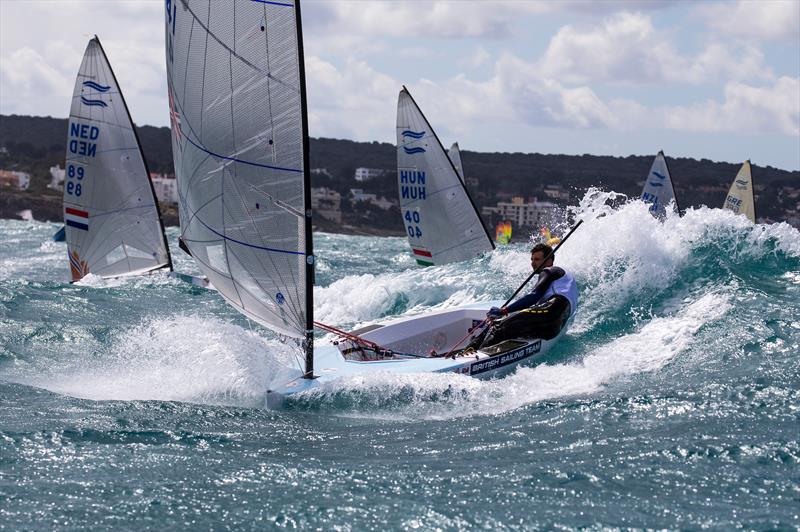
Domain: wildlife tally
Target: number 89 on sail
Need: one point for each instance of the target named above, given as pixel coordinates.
(76, 173)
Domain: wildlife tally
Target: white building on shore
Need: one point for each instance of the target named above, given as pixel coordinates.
(166, 187)
(528, 214)
(57, 175)
(368, 174)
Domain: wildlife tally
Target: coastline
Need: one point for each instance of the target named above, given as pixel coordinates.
(48, 208)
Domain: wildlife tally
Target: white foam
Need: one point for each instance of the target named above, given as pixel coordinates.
(443, 396)
(182, 358)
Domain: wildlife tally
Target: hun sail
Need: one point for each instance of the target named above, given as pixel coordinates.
(441, 221)
(240, 146)
(740, 196)
(658, 190)
(113, 226)
(455, 156)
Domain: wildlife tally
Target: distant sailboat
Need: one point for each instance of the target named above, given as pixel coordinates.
(441, 221)
(740, 196)
(658, 189)
(113, 224)
(454, 153)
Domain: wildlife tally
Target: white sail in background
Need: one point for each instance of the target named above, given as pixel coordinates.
(740, 196)
(239, 142)
(455, 156)
(658, 188)
(113, 226)
(441, 221)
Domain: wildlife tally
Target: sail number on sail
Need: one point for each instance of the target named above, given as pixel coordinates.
(82, 139)
(412, 187)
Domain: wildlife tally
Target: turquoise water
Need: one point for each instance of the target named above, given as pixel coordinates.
(673, 402)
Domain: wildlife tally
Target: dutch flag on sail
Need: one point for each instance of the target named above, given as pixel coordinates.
(76, 218)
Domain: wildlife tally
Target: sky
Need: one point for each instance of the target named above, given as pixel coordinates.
(713, 80)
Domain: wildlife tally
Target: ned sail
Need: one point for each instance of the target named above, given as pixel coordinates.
(440, 218)
(113, 226)
(240, 147)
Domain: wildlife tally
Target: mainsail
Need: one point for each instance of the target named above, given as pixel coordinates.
(658, 188)
(455, 156)
(440, 218)
(113, 225)
(240, 146)
(740, 196)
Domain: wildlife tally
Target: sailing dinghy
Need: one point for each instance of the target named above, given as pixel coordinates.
(658, 189)
(113, 224)
(240, 145)
(440, 218)
(740, 196)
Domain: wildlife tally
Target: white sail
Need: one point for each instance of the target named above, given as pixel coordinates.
(441, 221)
(239, 142)
(740, 196)
(113, 227)
(455, 156)
(658, 188)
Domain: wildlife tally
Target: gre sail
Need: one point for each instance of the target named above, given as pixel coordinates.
(440, 218)
(658, 188)
(455, 156)
(740, 196)
(240, 147)
(113, 224)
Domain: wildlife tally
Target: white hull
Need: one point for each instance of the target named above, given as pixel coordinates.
(417, 336)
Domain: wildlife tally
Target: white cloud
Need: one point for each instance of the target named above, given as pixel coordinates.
(762, 20)
(627, 48)
(353, 101)
(437, 18)
(746, 109)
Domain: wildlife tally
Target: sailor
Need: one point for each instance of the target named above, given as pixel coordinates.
(544, 311)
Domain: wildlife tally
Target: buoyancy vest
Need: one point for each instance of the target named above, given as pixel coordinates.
(567, 287)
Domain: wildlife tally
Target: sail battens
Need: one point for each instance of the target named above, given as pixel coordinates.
(109, 201)
(437, 211)
(237, 160)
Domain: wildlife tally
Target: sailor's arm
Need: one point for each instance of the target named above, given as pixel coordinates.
(546, 278)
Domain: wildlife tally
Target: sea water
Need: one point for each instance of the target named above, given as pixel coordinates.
(673, 401)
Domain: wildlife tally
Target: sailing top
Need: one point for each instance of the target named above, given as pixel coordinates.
(440, 218)
(740, 196)
(113, 226)
(658, 190)
(552, 281)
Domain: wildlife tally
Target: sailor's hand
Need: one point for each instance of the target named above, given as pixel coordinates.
(496, 312)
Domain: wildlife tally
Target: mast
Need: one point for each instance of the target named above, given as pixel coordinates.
(308, 343)
(463, 185)
(141, 153)
(753, 190)
(671, 183)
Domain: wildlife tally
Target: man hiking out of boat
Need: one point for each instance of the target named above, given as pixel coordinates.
(540, 314)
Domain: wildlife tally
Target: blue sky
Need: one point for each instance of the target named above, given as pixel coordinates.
(715, 80)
